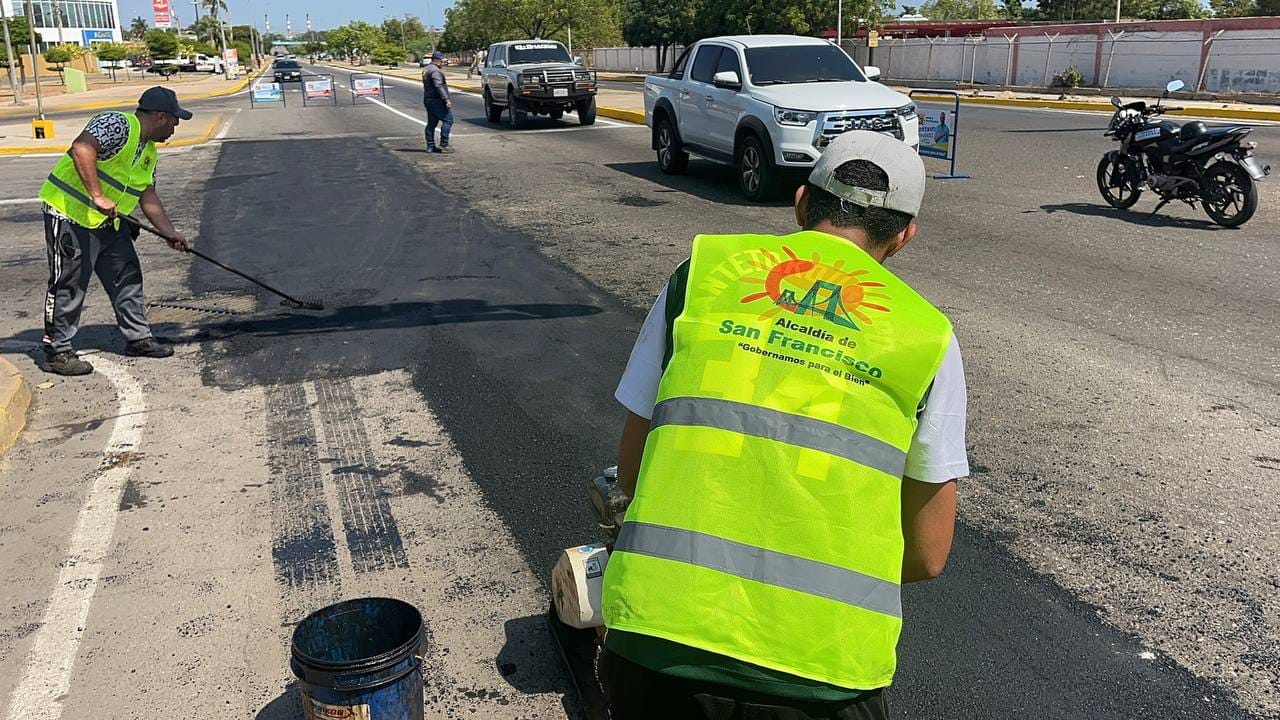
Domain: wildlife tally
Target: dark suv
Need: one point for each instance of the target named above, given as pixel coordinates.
(536, 77)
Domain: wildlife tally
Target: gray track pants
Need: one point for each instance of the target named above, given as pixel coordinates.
(75, 253)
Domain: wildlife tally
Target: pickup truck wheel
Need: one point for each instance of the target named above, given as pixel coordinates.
(491, 111)
(672, 159)
(587, 111)
(557, 114)
(519, 116)
(757, 179)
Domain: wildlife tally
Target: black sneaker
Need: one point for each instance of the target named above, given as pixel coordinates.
(65, 363)
(147, 347)
(435, 150)
(445, 149)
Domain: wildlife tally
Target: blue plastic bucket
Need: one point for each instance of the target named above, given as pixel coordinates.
(359, 660)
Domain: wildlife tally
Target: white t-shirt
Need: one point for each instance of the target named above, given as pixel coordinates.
(937, 452)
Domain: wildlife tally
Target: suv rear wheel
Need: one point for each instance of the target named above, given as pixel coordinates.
(672, 159)
(756, 176)
(491, 111)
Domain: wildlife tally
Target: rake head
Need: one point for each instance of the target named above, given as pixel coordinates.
(303, 303)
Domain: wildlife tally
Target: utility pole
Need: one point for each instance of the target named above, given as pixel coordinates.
(839, 23)
(222, 33)
(1117, 10)
(57, 18)
(8, 53)
(431, 29)
(35, 67)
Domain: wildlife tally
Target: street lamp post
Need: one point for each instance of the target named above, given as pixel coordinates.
(8, 53)
(839, 22)
(35, 69)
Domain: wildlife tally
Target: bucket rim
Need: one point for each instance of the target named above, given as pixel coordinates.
(408, 648)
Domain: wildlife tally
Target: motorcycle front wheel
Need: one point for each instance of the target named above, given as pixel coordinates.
(1230, 197)
(1118, 180)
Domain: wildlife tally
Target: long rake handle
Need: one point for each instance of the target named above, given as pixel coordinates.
(206, 258)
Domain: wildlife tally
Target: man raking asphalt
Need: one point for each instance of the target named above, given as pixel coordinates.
(108, 171)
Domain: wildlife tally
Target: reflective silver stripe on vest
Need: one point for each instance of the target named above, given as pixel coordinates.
(765, 566)
(784, 427)
(74, 193)
(104, 177)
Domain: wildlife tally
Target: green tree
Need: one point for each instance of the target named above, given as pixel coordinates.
(137, 29)
(658, 23)
(1233, 8)
(214, 7)
(161, 45)
(386, 53)
(1269, 7)
(960, 10)
(59, 55)
(910, 10)
(1012, 9)
(206, 29)
(112, 53)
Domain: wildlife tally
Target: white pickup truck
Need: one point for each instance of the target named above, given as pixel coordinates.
(768, 105)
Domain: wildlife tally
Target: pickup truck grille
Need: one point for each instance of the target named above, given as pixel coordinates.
(555, 77)
(836, 123)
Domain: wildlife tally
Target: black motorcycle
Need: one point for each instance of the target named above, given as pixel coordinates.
(1192, 162)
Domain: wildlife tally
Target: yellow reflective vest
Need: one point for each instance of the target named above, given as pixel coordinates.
(767, 519)
(122, 178)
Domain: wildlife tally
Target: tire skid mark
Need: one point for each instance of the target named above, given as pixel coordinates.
(372, 535)
(303, 548)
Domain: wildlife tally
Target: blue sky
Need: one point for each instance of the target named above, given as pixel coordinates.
(324, 13)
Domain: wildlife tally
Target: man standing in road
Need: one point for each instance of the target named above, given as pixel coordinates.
(108, 171)
(795, 434)
(435, 96)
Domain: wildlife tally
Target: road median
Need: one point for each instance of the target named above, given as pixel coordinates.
(198, 135)
(126, 101)
(15, 400)
(1224, 113)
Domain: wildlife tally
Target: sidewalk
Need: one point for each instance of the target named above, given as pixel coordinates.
(1061, 101)
(15, 133)
(118, 95)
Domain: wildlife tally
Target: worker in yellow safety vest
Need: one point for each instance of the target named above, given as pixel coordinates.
(108, 171)
(795, 434)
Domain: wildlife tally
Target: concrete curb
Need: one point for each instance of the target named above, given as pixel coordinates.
(1223, 113)
(15, 400)
(51, 150)
(240, 85)
(632, 116)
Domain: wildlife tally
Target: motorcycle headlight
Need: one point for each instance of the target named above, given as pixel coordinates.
(793, 117)
(907, 111)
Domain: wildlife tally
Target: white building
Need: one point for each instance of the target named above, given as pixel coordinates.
(83, 22)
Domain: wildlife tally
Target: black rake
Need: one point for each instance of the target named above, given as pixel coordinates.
(305, 303)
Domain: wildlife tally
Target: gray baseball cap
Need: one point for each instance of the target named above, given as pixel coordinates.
(902, 164)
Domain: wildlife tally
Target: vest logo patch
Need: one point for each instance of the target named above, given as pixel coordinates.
(811, 288)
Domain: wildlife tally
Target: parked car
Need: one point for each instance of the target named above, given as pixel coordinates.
(209, 64)
(768, 105)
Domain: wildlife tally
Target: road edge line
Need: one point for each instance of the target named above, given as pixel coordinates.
(15, 401)
(48, 665)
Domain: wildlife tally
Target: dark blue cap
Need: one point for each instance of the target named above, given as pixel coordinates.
(162, 99)
(437, 55)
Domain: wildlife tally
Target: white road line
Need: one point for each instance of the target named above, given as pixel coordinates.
(226, 127)
(46, 676)
(19, 201)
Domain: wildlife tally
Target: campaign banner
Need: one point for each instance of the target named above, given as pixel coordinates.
(163, 15)
(364, 87)
(937, 128)
(268, 92)
(320, 88)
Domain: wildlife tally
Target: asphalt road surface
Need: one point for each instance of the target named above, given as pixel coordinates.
(429, 434)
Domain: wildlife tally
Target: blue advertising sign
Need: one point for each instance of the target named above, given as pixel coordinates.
(93, 36)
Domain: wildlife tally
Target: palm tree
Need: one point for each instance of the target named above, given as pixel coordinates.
(214, 6)
(138, 28)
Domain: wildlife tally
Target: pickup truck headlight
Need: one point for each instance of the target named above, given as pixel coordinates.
(530, 80)
(793, 117)
(907, 111)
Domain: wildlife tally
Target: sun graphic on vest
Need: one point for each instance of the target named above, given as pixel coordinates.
(812, 288)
